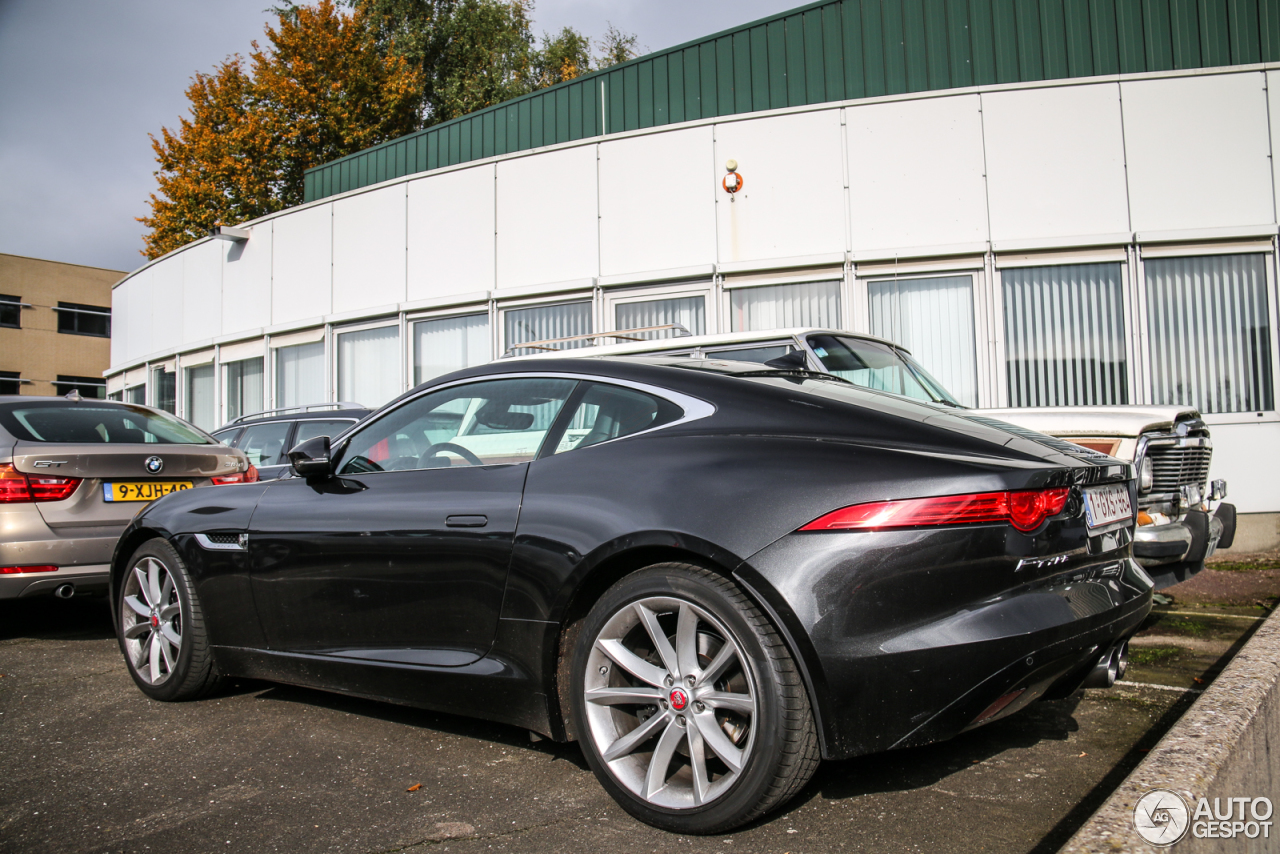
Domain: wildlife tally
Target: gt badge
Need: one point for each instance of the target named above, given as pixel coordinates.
(154, 465)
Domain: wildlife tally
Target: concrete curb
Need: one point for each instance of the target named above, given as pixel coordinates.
(1226, 745)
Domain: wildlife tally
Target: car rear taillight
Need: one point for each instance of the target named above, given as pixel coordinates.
(250, 476)
(18, 488)
(15, 570)
(1026, 510)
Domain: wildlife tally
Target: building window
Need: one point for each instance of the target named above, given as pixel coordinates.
(76, 319)
(92, 387)
(546, 322)
(10, 382)
(689, 312)
(449, 344)
(933, 318)
(300, 375)
(244, 387)
(201, 405)
(137, 394)
(116, 395)
(785, 306)
(10, 311)
(1064, 335)
(368, 365)
(1209, 332)
(164, 389)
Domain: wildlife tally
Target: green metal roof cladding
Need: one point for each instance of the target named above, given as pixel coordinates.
(835, 51)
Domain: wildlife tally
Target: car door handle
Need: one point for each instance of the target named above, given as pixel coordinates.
(466, 521)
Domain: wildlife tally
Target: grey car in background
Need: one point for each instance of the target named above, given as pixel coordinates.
(74, 473)
(267, 437)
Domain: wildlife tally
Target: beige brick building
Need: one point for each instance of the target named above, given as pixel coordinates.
(55, 326)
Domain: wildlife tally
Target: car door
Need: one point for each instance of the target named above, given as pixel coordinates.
(403, 555)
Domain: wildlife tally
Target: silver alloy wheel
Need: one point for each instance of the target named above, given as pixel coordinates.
(670, 702)
(151, 617)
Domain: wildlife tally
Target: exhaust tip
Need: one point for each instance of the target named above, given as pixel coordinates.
(1110, 667)
(65, 591)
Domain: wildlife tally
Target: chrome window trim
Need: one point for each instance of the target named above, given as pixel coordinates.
(694, 408)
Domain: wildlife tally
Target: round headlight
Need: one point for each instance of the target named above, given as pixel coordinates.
(1146, 475)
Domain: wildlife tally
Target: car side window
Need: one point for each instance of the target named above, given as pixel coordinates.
(311, 429)
(227, 437)
(759, 354)
(610, 412)
(263, 444)
(483, 423)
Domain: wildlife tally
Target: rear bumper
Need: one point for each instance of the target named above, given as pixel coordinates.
(911, 637)
(1175, 552)
(83, 579)
(82, 555)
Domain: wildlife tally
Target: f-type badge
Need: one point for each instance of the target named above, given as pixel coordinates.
(154, 465)
(1039, 562)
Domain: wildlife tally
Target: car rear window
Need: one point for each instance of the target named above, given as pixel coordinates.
(88, 424)
(311, 429)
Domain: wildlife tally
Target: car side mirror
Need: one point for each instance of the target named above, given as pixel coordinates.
(311, 458)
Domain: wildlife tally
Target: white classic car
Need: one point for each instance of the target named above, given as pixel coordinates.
(1181, 517)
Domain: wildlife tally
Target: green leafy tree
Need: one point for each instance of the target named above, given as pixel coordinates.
(320, 90)
(616, 47)
(477, 53)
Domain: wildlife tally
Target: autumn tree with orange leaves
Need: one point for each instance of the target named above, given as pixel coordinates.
(319, 90)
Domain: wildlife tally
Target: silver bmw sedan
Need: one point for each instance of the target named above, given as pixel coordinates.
(74, 472)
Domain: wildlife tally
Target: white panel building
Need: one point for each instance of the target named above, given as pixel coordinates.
(1098, 240)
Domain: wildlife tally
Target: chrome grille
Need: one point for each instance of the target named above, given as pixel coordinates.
(1175, 467)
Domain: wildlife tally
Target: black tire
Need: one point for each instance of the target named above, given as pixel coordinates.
(777, 737)
(162, 669)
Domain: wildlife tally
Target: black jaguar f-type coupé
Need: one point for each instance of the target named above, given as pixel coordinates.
(710, 574)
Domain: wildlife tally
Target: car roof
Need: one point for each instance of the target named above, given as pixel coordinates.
(716, 339)
(270, 418)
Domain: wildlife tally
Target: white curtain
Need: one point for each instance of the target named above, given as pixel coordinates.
(547, 321)
(200, 401)
(785, 306)
(933, 318)
(244, 387)
(1210, 333)
(449, 344)
(1064, 335)
(300, 375)
(689, 312)
(369, 365)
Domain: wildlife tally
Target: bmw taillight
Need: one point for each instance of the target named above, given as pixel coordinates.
(1025, 510)
(19, 488)
(249, 476)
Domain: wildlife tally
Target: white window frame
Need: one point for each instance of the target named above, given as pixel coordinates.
(1136, 375)
(620, 295)
(224, 387)
(410, 318)
(331, 349)
(1195, 250)
(501, 307)
(982, 298)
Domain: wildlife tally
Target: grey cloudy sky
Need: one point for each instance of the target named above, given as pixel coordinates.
(82, 83)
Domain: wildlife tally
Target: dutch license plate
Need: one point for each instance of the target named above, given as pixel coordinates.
(1106, 504)
(142, 490)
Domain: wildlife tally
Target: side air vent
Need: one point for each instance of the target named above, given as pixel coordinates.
(223, 542)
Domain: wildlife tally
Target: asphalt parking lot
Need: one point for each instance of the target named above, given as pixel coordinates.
(91, 765)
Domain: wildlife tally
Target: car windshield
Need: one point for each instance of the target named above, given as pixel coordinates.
(873, 365)
(89, 424)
